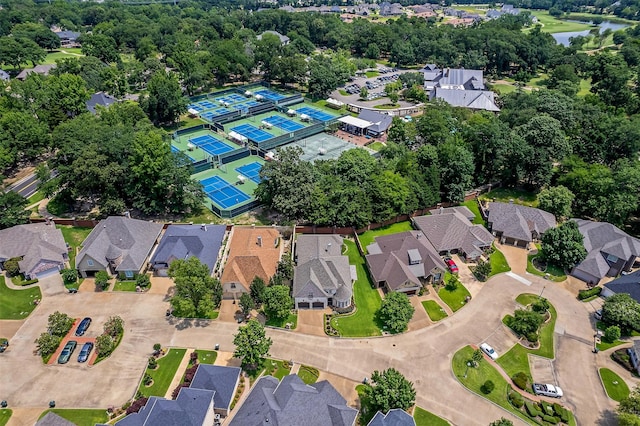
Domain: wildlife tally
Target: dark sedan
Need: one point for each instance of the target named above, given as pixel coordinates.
(66, 353)
(83, 356)
(83, 326)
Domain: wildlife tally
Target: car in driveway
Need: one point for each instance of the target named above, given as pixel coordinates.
(83, 326)
(491, 353)
(598, 314)
(83, 356)
(66, 353)
(451, 265)
(546, 389)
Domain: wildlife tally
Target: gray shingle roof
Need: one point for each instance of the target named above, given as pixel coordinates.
(39, 243)
(190, 408)
(381, 122)
(43, 69)
(388, 258)
(516, 221)
(395, 417)
(222, 380)
(52, 419)
(474, 99)
(317, 246)
(463, 210)
(283, 38)
(184, 241)
(453, 231)
(293, 403)
(100, 98)
(4, 76)
(116, 236)
(629, 284)
(68, 35)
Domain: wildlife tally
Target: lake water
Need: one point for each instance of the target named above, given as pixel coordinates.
(563, 38)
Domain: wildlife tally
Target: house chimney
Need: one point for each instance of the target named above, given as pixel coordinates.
(127, 214)
(260, 241)
(203, 227)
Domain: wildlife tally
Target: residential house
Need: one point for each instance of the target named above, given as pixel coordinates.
(404, 262)
(291, 402)
(253, 252)
(40, 245)
(380, 122)
(629, 284)
(99, 99)
(634, 355)
(493, 14)
(206, 400)
(510, 10)
(518, 225)
(394, 417)
(323, 276)
(449, 11)
(118, 245)
(52, 419)
(4, 76)
(610, 251)
(185, 241)
(389, 9)
(68, 38)
(450, 231)
(38, 69)
(458, 87)
(472, 99)
(284, 40)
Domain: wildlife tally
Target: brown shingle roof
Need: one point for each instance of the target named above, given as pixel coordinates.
(247, 259)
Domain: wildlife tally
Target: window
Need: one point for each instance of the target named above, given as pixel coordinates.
(611, 258)
(89, 262)
(233, 286)
(128, 274)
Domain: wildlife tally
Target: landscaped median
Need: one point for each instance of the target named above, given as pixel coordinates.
(551, 272)
(475, 379)
(156, 381)
(434, 310)
(615, 387)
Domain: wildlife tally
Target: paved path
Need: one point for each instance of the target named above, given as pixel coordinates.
(423, 356)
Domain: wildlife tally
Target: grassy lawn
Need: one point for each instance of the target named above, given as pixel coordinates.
(17, 304)
(36, 197)
(74, 236)
(616, 388)
(81, 417)
(363, 322)
(519, 196)
(124, 286)
(366, 238)
(276, 368)
(503, 89)
(163, 374)
(434, 310)
(555, 274)
(603, 346)
(473, 206)
(281, 322)
(425, 418)
(206, 357)
(551, 24)
(5, 415)
(370, 74)
(585, 87)
(376, 146)
(498, 262)
(515, 361)
(456, 298)
(309, 375)
(387, 106)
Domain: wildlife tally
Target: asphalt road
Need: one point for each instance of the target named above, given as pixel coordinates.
(26, 186)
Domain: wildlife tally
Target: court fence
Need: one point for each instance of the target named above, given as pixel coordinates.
(236, 154)
(227, 214)
(201, 166)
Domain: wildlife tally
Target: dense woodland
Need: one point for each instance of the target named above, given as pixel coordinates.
(119, 160)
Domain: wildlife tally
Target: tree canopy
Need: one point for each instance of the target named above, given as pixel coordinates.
(390, 389)
(197, 294)
(564, 246)
(252, 345)
(396, 311)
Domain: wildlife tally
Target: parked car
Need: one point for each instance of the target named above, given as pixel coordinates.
(491, 353)
(83, 356)
(547, 390)
(83, 326)
(66, 353)
(451, 264)
(598, 314)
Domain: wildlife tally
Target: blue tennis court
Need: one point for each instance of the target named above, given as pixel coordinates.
(230, 98)
(316, 114)
(196, 107)
(206, 104)
(253, 133)
(251, 170)
(268, 94)
(174, 149)
(210, 115)
(222, 192)
(244, 106)
(284, 123)
(211, 145)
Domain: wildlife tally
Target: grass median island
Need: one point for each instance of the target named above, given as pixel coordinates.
(434, 310)
(17, 304)
(80, 416)
(5, 415)
(363, 322)
(425, 418)
(615, 387)
(368, 237)
(307, 374)
(163, 374)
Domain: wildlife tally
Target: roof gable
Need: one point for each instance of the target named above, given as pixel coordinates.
(35, 242)
(184, 241)
(517, 221)
(222, 380)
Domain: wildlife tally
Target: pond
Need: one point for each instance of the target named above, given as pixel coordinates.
(563, 38)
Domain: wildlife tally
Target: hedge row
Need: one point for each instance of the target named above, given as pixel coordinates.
(585, 294)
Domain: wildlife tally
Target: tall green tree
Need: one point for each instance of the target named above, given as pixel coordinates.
(623, 311)
(389, 389)
(564, 246)
(277, 301)
(629, 409)
(556, 200)
(257, 290)
(164, 102)
(252, 345)
(197, 293)
(12, 208)
(101, 46)
(396, 311)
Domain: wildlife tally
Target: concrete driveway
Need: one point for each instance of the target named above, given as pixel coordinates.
(423, 356)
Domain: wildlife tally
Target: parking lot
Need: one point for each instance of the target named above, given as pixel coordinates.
(375, 87)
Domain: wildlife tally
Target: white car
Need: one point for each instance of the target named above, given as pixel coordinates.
(547, 390)
(489, 351)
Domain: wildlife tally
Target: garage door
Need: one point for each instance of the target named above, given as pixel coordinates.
(411, 293)
(318, 305)
(47, 273)
(521, 243)
(303, 305)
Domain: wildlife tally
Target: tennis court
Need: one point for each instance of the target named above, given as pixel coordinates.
(244, 106)
(252, 132)
(284, 123)
(316, 114)
(231, 98)
(196, 107)
(206, 104)
(210, 144)
(251, 170)
(222, 192)
(268, 94)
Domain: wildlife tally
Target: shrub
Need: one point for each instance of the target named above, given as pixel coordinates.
(452, 284)
(611, 334)
(69, 276)
(487, 387)
(176, 391)
(147, 379)
(143, 280)
(137, 405)
(516, 399)
(102, 279)
(157, 347)
(189, 374)
(193, 358)
(521, 380)
(12, 267)
(532, 409)
(153, 364)
(585, 294)
(561, 412)
(540, 305)
(550, 419)
(482, 270)
(532, 337)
